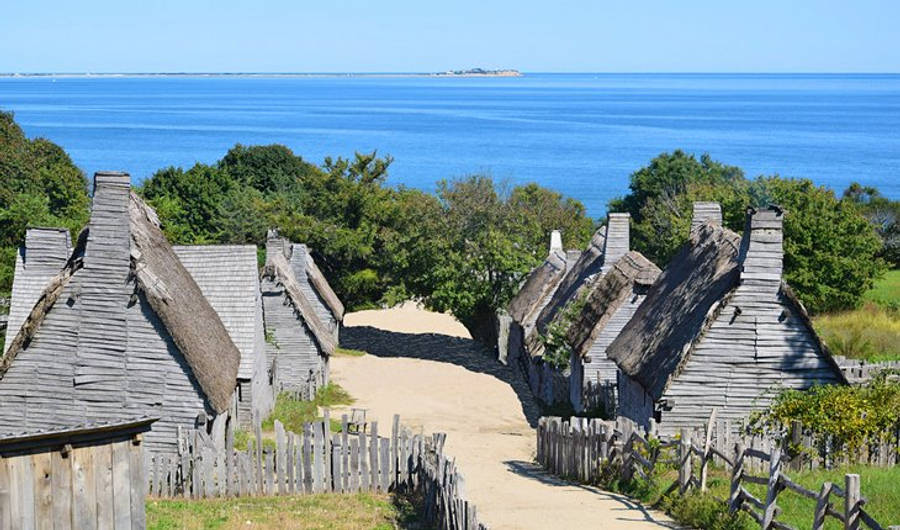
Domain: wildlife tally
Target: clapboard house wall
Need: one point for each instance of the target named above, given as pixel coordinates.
(291, 349)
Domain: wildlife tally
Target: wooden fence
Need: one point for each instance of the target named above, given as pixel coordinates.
(859, 372)
(586, 450)
(318, 461)
(90, 476)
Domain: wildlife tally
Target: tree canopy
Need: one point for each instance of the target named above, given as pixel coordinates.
(39, 186)
(831, 252)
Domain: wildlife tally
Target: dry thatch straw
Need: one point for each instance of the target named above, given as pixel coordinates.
(321, 285)
(173, 294)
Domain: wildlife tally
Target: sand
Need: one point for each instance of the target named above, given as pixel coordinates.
(482, 407)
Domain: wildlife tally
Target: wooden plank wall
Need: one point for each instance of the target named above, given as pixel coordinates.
(97, 486)
(318, 461)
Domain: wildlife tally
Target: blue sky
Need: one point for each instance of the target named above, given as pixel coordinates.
(416, 36)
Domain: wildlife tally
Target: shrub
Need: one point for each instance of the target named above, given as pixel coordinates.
(702, 510)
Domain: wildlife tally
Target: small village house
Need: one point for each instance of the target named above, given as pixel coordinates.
(302, 317)
(720, 329)
(120, 330)
(228, 277)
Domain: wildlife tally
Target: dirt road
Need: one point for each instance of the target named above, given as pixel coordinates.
(424, 367)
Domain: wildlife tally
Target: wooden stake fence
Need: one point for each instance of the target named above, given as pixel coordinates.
(318, 461)
(584, 450)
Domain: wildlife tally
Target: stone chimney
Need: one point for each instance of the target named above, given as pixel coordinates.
(618, 234)
(763, 252)
(276, 243)
(556, 241)
(706, 211)
(108, 250)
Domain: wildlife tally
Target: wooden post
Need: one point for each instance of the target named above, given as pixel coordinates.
(737, 472)
(257, 426)
(704, 461)
(684, 460)
(821, 507)
(229, 457)
(851, 501)
(772, 488)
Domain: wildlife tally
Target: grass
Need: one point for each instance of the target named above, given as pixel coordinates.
(871, 333)
(348, 352)
(886, 291)
(328, 510)
(294, 413)
(881, 486)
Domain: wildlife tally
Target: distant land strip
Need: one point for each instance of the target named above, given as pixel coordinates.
(473, 72)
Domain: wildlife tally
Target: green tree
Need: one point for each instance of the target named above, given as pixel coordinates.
(39, 186)
(883, 213)
(831, 253)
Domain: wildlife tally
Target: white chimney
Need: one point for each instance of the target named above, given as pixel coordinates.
(555, 242)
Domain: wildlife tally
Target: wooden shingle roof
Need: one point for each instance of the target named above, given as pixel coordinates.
(228, 276)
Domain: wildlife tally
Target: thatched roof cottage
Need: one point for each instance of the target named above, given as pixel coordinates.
(302, 317)
(228, 276)
(719, 329)
(608, 305)
(121, 330)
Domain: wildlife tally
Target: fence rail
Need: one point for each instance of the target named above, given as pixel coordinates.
(318, 461)
(584, 450)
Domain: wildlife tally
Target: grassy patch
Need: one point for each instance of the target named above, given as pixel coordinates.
(330, 510)
(871, 333)
(348, 352)
(886, 291)
(293, 413)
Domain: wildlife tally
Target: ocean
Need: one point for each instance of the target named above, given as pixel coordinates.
(581, 134)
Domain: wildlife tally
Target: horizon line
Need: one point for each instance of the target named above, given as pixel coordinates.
(444, 73)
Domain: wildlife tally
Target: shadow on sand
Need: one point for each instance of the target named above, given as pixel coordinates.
(466, 353)
(631, 510)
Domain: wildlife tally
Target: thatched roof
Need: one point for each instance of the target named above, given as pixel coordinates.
(589, 264)
(655, 341)
(539, 285)
(176, 298)
(228, 276)
(279, 269)
(318, 281)
(605, 297)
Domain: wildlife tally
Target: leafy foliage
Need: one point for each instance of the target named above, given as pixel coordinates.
(850, 414)
(39, 186)
(831, 251)
(883, 213)
(557, 350)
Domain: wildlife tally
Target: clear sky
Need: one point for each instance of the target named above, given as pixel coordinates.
(425, 35)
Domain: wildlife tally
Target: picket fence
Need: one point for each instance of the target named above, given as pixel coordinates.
(588, 450)
(317, 461)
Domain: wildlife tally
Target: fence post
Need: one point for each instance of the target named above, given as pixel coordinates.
(704, 460)
(772, 488)
(821, 507)
(684, 460)
(851, 501)
(737, 472)
(627, 465)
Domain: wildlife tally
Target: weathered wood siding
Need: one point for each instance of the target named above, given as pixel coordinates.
(101, 353)
(43, 255)
(229, 279)
(598, 368)
(634, 403)
(618, 237)
(291, 348)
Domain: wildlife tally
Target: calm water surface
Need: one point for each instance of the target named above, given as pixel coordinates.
(582, 134)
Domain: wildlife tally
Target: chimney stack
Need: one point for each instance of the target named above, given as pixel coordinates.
(108, 249)
(47, 248)
(618, 234)
(556, 242)
(763, 254)
(276, 243)
(706, 211)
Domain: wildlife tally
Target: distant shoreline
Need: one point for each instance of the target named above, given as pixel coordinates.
(466, 73)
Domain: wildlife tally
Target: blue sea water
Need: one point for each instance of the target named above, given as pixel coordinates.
(582, 134)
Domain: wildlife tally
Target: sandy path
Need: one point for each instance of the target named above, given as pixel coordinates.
(479, 404)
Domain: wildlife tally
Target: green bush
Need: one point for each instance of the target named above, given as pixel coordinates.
(850, 414)
(294, 413)
(703, 510)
